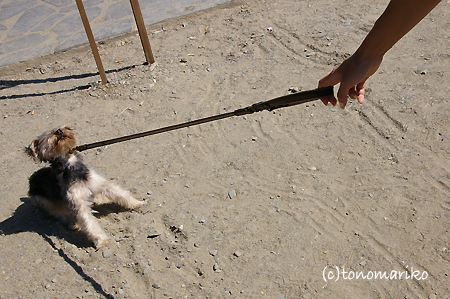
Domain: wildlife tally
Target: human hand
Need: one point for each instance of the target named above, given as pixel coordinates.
(351, 74)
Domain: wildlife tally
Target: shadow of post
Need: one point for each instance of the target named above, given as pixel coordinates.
(5, 84)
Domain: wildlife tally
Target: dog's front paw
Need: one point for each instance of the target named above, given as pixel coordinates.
(101, 242)
(134, 204)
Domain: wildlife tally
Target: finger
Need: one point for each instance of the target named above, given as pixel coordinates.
(342, 96)
(331, 79)
(360, 97)
(353, 93)
(331, 100)
(361, 90)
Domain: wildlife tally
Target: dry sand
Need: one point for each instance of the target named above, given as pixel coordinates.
(260, 206)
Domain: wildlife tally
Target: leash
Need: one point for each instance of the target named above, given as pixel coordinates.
(280, 102)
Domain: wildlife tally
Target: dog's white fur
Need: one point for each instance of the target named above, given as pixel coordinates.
(68, 188)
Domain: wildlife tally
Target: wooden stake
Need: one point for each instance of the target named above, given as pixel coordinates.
(142, 31)
(91, 39)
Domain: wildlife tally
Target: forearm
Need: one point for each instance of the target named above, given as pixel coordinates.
(397, 20)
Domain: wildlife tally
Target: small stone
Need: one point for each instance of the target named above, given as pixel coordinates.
(312, 168)
(134, 97)
(272, 211)
(231, 194)
(237, 253)
(94, 94)
(213, 252)
(149, 192)
(120, 291)
(216, 267)
(254, 138)
(294, 89)
(107, 253)
(156, 286)
(152, 67)
(54, 280)
(183, 60)
(196, 245)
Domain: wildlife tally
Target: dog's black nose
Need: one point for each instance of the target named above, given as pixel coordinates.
(59, 132)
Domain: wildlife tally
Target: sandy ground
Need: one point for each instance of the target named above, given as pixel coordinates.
(269, 205)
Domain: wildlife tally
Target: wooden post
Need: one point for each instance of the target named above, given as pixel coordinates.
(91, 39)
(142, 31)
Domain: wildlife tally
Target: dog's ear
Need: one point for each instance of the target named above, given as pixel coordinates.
(31, 149)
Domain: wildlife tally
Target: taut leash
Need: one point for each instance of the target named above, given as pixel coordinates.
(280, 102)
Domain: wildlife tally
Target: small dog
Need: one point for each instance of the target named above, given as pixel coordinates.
(68, 188)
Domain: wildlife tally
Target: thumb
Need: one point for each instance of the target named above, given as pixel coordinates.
(330, 80)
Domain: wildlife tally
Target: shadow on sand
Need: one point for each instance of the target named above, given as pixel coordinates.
(28, 218)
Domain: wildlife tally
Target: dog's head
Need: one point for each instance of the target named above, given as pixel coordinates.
(52, 144)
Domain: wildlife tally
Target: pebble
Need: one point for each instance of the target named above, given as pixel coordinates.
(107, 253)
(54, 280)
(237, 253)
(134, 96)
(232, 193)
(312, 168)
(294, 89)
(156, 286)
(216, 267)
(152, 67)
(213, 252)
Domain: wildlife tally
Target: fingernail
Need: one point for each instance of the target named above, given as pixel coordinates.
(341, 105)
